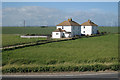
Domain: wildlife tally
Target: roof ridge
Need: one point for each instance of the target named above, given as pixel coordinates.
(68, 23)
(89, 23)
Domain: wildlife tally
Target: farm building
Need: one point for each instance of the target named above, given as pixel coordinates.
(67, 29)
(89, 28)
(71, 28)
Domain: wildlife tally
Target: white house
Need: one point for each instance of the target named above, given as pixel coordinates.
(67, 29)
(89, 28)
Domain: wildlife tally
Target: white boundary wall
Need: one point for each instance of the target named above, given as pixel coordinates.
(33, 36)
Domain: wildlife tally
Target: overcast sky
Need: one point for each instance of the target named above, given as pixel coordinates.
(52, 13)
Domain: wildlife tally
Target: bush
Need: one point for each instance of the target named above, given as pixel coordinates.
(98, 32)
(103, 33)
(115, 67)
(51, 62)
(87, 35)
(73, 38)
(77, 36)
(82, 68)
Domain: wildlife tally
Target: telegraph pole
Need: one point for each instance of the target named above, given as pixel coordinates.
(24, 23)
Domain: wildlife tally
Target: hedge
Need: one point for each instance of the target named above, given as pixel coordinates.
(82, 68)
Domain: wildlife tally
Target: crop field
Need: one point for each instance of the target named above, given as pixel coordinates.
(108, 29)
(13, 39)
(46, 30)
(93, 53)
(84, 54)
(27, 30)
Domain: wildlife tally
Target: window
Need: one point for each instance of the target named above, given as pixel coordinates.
(63, 34)
(57, 33)
(84, 27)
(62, 27)
(83, 31)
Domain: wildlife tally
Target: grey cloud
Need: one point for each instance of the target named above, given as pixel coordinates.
(36, 16)
(98, 16)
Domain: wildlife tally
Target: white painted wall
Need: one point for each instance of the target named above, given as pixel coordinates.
(57, 34)
(33, 36)
(89, 30)
(76, 30)
(94, 29)
(67, 35)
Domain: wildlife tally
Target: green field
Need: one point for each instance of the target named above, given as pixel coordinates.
(108, 29)
(46, 30)
(83, 51)
(84, 54)
(13, 39)
(11, 35)
(27, 30)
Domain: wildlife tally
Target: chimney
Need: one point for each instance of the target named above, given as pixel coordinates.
(89, 20)
(70, 19)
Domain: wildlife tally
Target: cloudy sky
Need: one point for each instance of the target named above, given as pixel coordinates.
(52, 13)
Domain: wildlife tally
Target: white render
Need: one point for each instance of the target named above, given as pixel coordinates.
(71, 31)
(71, 28)
(94, 29)
(89, 30)
(57, 34)
(76, 30)
(67, 35)
(33, 36)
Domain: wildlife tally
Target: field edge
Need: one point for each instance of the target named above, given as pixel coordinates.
(62, 68)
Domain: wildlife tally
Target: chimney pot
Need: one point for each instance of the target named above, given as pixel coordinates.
(70, 19)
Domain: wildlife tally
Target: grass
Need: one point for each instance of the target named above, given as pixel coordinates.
(13, 39)
(9, 36)
(108, 29)
(27, 30)
(46, 30)
(92, 54)
(92, 50)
